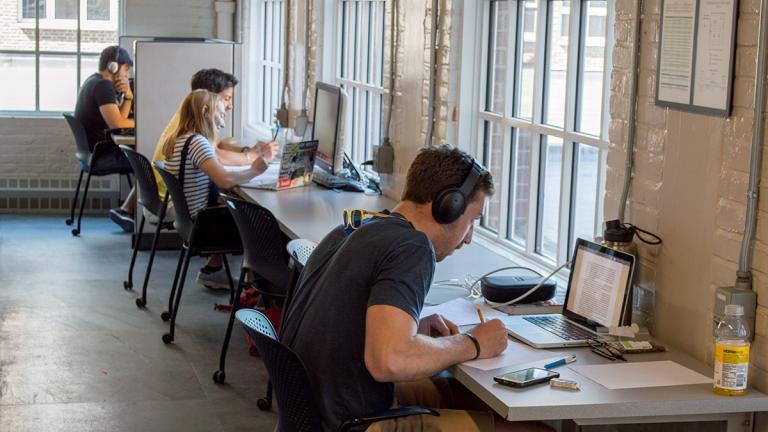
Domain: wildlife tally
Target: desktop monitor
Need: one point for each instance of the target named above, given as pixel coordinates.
(328, 126)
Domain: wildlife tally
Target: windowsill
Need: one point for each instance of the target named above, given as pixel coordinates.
(46, 24)
(520, 259)
(31, 114)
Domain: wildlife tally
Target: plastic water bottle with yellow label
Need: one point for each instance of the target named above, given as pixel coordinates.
(731, 353)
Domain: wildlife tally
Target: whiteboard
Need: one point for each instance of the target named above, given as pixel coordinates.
(163, 73)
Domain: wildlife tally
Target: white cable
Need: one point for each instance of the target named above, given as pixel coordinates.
(527, 293)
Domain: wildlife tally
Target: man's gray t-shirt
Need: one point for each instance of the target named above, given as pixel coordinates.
(385, 262)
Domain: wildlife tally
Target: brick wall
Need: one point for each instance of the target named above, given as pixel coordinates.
(689, 185)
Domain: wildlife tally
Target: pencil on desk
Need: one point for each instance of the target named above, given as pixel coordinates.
(480, 315)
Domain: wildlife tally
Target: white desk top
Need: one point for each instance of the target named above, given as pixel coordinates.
(593, 401)
(128, 140)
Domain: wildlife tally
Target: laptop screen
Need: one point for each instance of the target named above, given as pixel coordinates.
(598, 286)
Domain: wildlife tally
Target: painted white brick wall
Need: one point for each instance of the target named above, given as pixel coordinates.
(689, 184)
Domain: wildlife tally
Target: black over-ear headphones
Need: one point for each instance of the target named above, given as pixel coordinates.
(113, 66)
(451, 202)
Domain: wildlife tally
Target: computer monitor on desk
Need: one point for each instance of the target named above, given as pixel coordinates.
(328, 127)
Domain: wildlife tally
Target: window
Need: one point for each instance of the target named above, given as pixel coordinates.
(265, 70)
(360, 71)
(542, 122)
(43, 56)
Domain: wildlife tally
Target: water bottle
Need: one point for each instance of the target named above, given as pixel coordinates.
(731, 353)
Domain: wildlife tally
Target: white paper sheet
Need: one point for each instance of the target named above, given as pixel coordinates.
(676, 52)
(462, 311)
(516, 354)
(643, 374)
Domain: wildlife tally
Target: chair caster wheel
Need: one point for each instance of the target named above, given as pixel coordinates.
(219, 376)
(165, 316)
(127, 285)
(167, 338)
(263, 404)
(75, 232)
(68, 221)
(140, 303)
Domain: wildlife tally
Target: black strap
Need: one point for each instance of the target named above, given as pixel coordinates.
(213, 190)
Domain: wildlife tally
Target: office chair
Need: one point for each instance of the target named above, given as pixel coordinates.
(264, 254)
(298, 410)
(149, 199)
(299, 250)
(188, 229)
(93, 162)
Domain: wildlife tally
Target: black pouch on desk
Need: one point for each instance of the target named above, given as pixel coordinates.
(501, 289)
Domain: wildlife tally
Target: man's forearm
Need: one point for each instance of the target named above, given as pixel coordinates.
(425, 357)
(125, 108)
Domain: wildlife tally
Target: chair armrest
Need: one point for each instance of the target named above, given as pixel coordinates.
(102, 147)
(386, 415)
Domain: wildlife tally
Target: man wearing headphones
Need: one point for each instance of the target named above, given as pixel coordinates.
(354, 320)
(104, 103)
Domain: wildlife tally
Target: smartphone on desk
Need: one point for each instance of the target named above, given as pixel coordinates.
(526, 377)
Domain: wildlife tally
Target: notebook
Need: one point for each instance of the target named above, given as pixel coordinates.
(597, 296)
(295, 169)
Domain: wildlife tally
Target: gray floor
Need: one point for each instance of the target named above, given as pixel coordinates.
(76, 354)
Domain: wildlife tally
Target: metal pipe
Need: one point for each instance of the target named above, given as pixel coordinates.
(239, 21)
(744, 275)
(392, 62)
(629, 159)
(432, 73)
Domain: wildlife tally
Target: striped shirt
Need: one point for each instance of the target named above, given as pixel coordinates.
(196, 182)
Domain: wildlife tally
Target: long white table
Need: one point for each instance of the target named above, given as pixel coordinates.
(311, 212)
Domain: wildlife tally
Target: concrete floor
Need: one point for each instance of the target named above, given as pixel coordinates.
(76, 354)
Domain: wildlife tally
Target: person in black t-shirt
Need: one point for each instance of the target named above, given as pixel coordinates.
(354, 320)
(103, 103)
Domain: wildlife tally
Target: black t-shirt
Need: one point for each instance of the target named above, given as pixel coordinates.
(95, 92)
(385, 262)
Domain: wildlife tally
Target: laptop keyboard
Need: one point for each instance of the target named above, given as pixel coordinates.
(560, 327)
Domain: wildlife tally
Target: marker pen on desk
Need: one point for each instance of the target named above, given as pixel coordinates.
(565, 360)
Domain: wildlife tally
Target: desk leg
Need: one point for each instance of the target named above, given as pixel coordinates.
(734, 422)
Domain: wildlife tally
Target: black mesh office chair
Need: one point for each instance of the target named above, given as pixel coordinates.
(298, 410)
(93, 162)
(148, 198)
(264, 253)
(187, 227)
(299, 250)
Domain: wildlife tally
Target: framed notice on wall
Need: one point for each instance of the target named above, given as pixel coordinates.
(696, 55)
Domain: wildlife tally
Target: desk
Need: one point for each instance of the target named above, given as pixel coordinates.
(311, 212)
(596, 405)
(128, 140)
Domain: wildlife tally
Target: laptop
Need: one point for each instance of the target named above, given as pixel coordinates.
(598, 295)
(295, 169)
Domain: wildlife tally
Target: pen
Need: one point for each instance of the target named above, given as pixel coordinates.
(565, 360)
(480, 315)
(277, 131)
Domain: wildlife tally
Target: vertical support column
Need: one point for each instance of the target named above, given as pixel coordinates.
(225, 19)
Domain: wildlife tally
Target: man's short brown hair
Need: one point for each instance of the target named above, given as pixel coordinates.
(438, 168)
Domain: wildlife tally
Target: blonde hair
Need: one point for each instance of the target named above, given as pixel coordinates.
(196, 116)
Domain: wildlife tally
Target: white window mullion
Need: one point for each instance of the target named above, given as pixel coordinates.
(505, 182)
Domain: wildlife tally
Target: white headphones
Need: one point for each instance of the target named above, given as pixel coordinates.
(113, 66)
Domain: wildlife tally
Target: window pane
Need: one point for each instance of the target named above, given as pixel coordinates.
(592, 69)
(557, 63)
(526, 59)
(98, 10)
(88, 65)
(494, 153)
(66, 9)
(585, 192)
(28, 8)
(549, 196)
(58, 82)
(520, 197)
(499, 40)
(17, 81)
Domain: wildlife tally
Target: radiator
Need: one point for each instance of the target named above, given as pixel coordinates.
(28, 194)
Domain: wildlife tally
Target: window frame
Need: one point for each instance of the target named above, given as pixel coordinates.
(52, 23)
(116, 19)
(331, 72)
(477, 37)
(256, 82)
